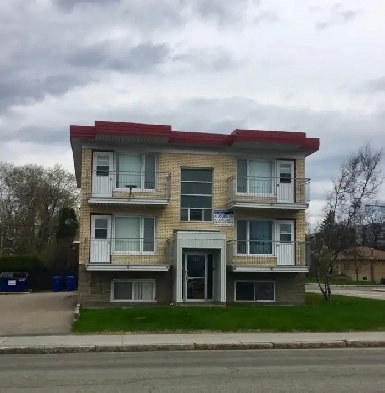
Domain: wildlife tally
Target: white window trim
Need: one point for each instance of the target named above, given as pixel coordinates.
(274, 230)
(141, 252)
(132, 300)
(273, 183)
(202, 195)
(142, 172)
(255, 301)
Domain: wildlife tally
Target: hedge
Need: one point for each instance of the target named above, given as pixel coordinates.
(13, 263)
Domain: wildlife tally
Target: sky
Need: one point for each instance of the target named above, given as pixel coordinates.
(315, 66)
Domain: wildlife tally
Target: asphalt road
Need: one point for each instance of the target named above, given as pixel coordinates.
(362, 291)
(332, 371)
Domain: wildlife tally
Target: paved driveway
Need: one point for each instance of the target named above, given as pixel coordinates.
(37, 313)
(358, 291)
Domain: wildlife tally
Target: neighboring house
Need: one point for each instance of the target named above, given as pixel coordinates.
(178, 217)
(362, 263)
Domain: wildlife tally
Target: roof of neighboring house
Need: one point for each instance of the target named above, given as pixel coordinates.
(363, 253)
(163, 135)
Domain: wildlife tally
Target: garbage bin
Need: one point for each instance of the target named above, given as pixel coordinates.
(56, 284)
(13, 281)
(71, 283)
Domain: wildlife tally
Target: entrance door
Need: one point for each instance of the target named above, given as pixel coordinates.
(100, 250)
(102, 174)
(285, 181)
(285, 244)
(198, 277)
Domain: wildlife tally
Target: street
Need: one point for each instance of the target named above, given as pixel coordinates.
(331, 370)
(359, 291)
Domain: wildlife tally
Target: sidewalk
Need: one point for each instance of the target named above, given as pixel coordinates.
(193, 341)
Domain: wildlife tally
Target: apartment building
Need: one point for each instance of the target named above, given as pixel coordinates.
(171, 217)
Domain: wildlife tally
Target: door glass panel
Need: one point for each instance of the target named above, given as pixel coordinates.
(196, 271)
(196, 265)
(102, 165)
(285, 232)
(101, 228)
(285, 174)
(210, 267)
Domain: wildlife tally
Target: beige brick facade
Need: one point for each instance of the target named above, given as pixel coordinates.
(168, 218)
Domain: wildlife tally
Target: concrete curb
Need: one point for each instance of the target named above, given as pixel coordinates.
(378, 289)
(191, 347)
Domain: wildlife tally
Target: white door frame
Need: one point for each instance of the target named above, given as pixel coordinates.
(102, 186)
(285, 191)
(185, 278)
(285, 251)
(100, 249)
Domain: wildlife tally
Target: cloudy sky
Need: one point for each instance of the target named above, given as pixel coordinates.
(200, 65)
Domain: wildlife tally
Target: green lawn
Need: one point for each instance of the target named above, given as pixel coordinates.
(336, 281)
(343, 313)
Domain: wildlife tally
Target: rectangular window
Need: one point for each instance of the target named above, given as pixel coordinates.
(133, 291)
(254, 291)
(255, 177)
(134, 235)
(254, 237)
(196, 195)
(135, 171)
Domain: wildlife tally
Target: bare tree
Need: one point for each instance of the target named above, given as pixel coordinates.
(31, 198)
(356, 186)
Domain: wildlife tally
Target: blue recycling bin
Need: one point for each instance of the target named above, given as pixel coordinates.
(71, 283)
(56, 284)
(13, 282)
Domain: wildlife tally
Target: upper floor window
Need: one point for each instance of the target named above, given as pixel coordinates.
(196, 195)
(254, 176)
(254, 237)
(135, 170)
(134, 234)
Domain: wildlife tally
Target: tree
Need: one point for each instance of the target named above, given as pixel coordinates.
(31, 199)
(373, 224)
(356, 186)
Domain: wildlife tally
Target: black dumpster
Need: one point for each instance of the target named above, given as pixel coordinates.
(13, 282)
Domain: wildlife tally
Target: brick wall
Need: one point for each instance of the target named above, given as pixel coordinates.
(168, 218)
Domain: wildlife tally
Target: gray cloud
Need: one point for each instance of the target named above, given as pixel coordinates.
(337, 16)
(140, 58)
(69, 5)
(372, 86)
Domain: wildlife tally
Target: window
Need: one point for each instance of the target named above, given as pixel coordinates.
(134, 291)
(138, 171)
(254, 177)
(254, 291)
(254, 237)
(196, 195)
(102, 165)
(134, 235)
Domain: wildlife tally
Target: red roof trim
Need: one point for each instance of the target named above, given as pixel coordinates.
(194, 138)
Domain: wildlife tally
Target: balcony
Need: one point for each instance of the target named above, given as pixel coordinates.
(128, 254)
(130, 188)
(268, 193)
(268, 256)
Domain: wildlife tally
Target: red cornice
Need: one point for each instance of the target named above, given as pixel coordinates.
(194, 138)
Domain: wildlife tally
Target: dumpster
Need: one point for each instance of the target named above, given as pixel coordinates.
(56, 284)
(71, 283)
(13, 282)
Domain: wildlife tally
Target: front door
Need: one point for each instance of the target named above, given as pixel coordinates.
(102, 174)
(285, 244)
(285, 181)
(197, 277)
(100, 248)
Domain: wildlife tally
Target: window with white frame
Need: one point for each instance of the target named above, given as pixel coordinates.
(255, 237)
(196, 195)
(136, 171)
(134, 235)
(254, 291)
(254, 177)
(133, 290)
